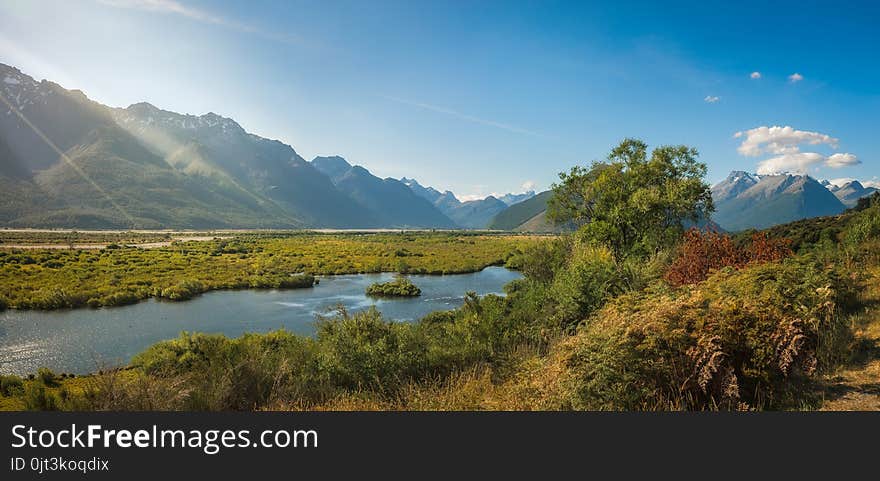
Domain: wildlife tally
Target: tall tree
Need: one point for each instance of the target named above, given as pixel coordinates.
(632, 203)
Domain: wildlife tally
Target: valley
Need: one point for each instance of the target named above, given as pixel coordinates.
(631, 284)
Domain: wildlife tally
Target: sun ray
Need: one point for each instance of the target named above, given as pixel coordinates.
(68, 160)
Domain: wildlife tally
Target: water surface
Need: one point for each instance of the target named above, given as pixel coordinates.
(85, 340)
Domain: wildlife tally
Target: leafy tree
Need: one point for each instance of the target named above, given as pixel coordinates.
(632, 203)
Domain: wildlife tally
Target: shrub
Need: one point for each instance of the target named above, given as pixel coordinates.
(122, 298)
(399, 287)
(189, 352)
(297, 281)
(764, 248)
(37, 398)
(437, 317)
(218, 373)
(865, 226)
(742, 339)
(364, 350)
(47, 377)
(541, 261)
(10, 385)
(350, 352)
(184, 291)
(702, 252)
(588, 280)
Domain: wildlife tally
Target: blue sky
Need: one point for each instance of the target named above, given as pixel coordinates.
(483, 97)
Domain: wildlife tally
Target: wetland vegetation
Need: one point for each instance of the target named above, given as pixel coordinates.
(630, 312)
(117, 275)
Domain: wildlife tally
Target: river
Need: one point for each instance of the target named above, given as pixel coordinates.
(86, 340)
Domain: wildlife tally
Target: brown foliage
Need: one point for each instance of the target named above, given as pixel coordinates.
(764, 248)
(702, 252)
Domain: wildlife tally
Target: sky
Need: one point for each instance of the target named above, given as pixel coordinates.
(483, 97)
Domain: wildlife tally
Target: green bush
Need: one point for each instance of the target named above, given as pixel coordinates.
(541, 261)
(47, 377)
(864, 226)
(589, 279)
(439, 317)
(364, 350)
(399, 287)
(117, 299)
(10, 385)
(37, 398)
(184, 291)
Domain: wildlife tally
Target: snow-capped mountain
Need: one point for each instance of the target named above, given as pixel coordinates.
(850, 192)
(745, 200)
(736, 182)
(511, 199)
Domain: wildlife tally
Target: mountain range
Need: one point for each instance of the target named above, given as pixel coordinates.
(849, 192)
(474, 214)
(67, 161)
(745, 200)
(390, 200)
(529, 215)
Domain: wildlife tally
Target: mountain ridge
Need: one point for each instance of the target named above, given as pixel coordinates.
(471, 214)
(145, 167)
(850, 192)
(751, 201)
(396, 204)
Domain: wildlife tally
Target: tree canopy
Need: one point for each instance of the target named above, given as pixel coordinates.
(633, 203)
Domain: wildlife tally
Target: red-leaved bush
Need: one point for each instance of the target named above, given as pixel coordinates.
(701, 252)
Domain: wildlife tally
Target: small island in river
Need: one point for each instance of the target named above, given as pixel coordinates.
(399, 287)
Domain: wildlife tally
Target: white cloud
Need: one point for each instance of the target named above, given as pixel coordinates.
(529, 185)
(779, 140)
(793, 162)
(795, 77)
(802, 161)
(755, 75)
(711, 99)
(784, 144)
(836, 161)
(875, 183)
